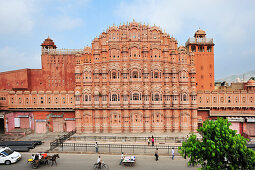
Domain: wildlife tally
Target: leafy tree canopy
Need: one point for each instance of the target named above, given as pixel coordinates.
(220, 148)
(252, 78)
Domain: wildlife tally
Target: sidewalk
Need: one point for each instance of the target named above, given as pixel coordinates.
(51, 136)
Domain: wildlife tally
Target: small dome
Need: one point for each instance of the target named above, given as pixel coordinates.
(181, 48)
(250, 83)
(200, 32)
(48, 42)
(87, 49)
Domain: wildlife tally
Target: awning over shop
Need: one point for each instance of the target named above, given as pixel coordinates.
(235, 119)
(250, 119)
(220, 113)
(2, 115)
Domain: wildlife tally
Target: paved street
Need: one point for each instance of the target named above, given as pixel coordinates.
(86, 161)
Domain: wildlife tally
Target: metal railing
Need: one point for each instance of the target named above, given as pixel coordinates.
(61, 140)
(128, 139)
(199, 41)
(62, 51)
(116, 148)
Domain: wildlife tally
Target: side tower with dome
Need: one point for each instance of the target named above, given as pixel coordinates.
(203, 49)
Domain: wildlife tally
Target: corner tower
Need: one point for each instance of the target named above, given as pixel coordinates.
(203, 49)
(58, 67)
(48, 43)
(47, 46)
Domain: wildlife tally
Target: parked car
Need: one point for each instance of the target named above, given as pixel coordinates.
(8, 156)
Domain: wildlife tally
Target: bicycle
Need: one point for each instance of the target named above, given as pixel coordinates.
(103, 166)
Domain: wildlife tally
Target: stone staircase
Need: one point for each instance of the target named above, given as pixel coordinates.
(15, 134)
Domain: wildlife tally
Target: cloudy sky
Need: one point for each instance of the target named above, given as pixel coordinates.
(73, 24)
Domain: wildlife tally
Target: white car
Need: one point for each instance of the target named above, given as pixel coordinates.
(8, 156)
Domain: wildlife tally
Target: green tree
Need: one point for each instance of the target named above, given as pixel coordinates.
(220, 148)
(252, 78)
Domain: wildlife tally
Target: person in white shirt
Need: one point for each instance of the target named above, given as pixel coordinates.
(96, 146)
(33, 157)
(99, 161)
(40, 156)
(121, 158)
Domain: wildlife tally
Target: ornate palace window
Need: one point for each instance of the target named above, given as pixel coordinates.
(27, 101)
(125, 98)
(136, 96)
(184, 97)
(86, 98)
(134, 74)
(124, 76)
(174, 98)
(41, 100)
(96, 98)
(156, 97)
(193, 98)
(209, 49)
(156, 75)
(114, 97)
(114, 75)
(146, 75)
(237, 99)
(146, 98)
(104, 98)
(167, 97)
(229, 99)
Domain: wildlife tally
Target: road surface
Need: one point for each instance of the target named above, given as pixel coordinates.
(86, 161)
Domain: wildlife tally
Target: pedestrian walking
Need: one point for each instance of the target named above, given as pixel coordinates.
(172, 153)
(152, 141)
(121, 158)
(96, 146)
(156, 154)
(149, 140)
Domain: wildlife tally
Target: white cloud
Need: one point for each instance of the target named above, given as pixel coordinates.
(12, 59)
(230, 22)
(250, 52)
(230, 19)
(62, 23)
(16, 16)
(161, 14)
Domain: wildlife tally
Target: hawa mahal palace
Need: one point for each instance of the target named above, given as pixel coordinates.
(134, 78)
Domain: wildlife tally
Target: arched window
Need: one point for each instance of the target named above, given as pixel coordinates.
(156, 75)
(135, 96)
(135, 74)
(114, 75)
(184, 97)
(86, 98)
(157, 97)
(184, 75)
(114, 97)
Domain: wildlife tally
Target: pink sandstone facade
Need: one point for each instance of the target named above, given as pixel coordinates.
(134, 78)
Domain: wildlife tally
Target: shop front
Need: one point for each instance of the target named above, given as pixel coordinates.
(40, 126)
(236, 124)
(250, 126)
(58, 123)
(70, 124)
(2, 122)
(19, 120)
(62, 121)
